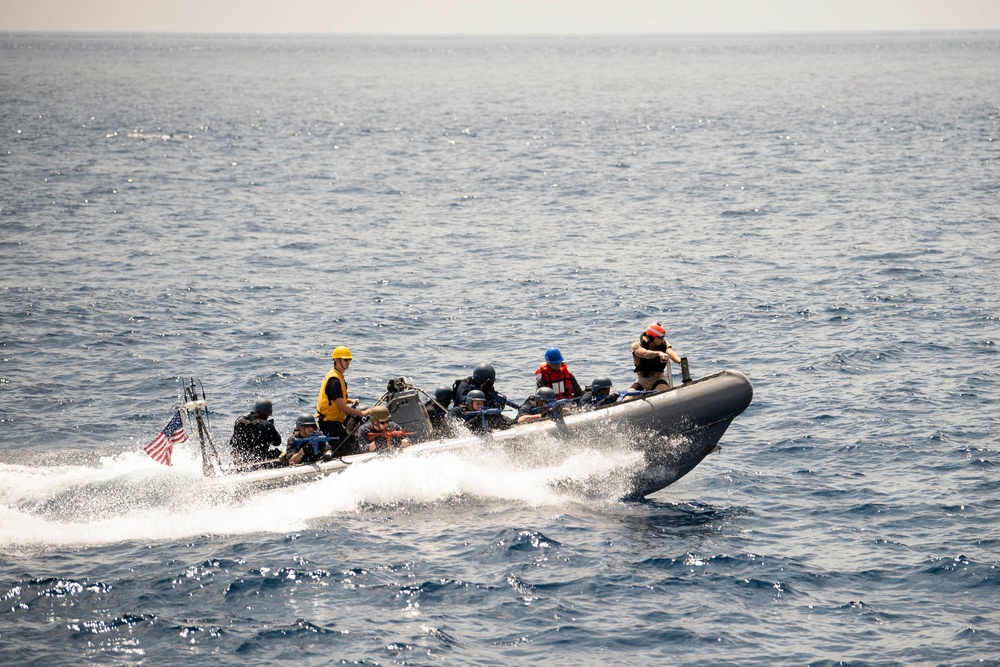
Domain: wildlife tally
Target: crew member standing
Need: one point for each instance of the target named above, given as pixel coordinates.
(333, 405)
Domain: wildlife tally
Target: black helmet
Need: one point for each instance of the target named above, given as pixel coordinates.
(263, 407)
(483, 373)
(474, 395)
(600, 383)
(305, 420)
(443, 395)
(546, 394)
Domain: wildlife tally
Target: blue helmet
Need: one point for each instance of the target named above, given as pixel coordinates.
(554, 356)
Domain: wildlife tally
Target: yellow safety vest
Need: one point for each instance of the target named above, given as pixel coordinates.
(325, 408)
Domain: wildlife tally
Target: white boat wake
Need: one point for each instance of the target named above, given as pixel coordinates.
(132, 498)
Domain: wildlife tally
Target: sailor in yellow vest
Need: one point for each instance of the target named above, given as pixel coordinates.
(333, 405)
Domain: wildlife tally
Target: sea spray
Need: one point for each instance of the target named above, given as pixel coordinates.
(129, 497)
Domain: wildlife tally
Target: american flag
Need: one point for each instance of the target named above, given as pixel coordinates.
(172, 434)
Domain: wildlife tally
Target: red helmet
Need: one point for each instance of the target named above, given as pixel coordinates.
(656, 330)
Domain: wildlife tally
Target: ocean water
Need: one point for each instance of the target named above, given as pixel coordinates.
(818, 212)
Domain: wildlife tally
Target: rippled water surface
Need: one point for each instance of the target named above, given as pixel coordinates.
(819, 213)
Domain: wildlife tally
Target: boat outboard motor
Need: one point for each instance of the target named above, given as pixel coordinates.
(407, 410)
(397, 385)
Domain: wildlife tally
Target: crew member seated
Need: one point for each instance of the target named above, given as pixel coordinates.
(255, 441)
(542, 405)
(598, 394)
(477, 417)
(380, 433)
(306, 444)
(437, 412)
(554, 373)
(483, 378)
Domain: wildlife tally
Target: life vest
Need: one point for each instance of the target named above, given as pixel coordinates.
(649, 367)
(327, 409)
(456, 389)
(559, 379)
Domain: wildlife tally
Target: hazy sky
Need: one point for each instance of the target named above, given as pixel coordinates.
(496, 16)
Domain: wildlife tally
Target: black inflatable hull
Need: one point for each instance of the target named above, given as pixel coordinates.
(674, 430)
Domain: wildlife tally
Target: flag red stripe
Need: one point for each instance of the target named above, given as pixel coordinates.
(162, 445)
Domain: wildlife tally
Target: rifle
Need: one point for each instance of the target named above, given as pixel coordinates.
(552, 406)
(374, 435)
(486, 412)
(314, 440)
(387, 437)
(503, 399)
(623, 394)
(482, 415)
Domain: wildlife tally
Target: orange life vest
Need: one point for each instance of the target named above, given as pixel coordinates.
(559, 379)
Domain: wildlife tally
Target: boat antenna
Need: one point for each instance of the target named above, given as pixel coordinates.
(432, 399)
(193, 405)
